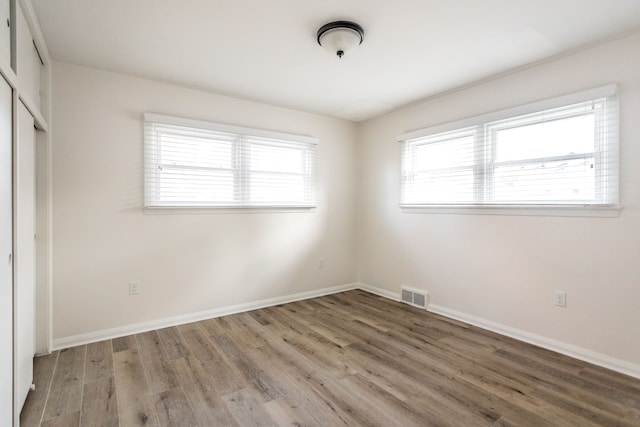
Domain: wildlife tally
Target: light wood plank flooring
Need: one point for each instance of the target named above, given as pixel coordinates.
(347, 359)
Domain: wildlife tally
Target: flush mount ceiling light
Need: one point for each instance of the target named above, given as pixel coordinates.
(340, 37)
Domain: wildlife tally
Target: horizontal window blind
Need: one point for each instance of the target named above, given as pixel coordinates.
(199, 164)
(564, 155)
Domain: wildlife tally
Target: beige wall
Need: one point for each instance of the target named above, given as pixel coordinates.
(185, 264)
(504, 269)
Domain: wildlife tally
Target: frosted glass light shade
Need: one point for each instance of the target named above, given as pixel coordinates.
(340, 37)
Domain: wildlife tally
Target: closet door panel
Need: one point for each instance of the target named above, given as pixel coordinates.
(5, 33)
(6, 251)
(25, 253)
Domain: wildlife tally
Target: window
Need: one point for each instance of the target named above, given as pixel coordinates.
(561, 152)
(198, 164)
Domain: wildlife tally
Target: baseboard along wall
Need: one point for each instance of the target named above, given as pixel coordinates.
(579, 353)
(72, 341)
(583, 354)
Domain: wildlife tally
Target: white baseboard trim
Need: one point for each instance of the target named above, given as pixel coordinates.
(379, 291)
(580, 353)
(105, 334)
(589, 356)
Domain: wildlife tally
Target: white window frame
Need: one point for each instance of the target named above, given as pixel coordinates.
(484, 128)
(242, 139)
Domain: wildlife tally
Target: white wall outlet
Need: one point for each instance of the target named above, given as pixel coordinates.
(560, 298)
(134, 288)
(321, 263)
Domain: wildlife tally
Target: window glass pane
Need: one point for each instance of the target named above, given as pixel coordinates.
(563, 155)
(572, 135)
(220, 165)
(443, 187)
(269, 158)
(445, 154)
(274, 188)
(199, 186)
(197, 151)
(570, 181)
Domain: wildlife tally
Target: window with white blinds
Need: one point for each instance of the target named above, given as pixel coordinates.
(191, 163)
(559, 152)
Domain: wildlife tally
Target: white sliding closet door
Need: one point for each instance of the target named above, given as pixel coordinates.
(5, 33)
(6, 262)
(25, 256)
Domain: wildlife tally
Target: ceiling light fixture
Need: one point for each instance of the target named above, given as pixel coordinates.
(340, 37)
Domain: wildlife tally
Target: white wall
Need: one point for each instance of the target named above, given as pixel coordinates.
(185, 263)
(504, 269)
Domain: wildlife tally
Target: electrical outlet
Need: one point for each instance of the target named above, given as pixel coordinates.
(560, 298)
(321, 263)
(134, 288)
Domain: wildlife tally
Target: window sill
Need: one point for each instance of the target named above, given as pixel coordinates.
(535, 210)
(208, 210)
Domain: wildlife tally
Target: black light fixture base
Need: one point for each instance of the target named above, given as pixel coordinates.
(341, 24)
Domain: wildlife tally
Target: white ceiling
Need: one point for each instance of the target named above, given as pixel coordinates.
(266, 50)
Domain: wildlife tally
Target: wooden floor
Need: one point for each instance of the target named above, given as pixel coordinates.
(346, 359)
